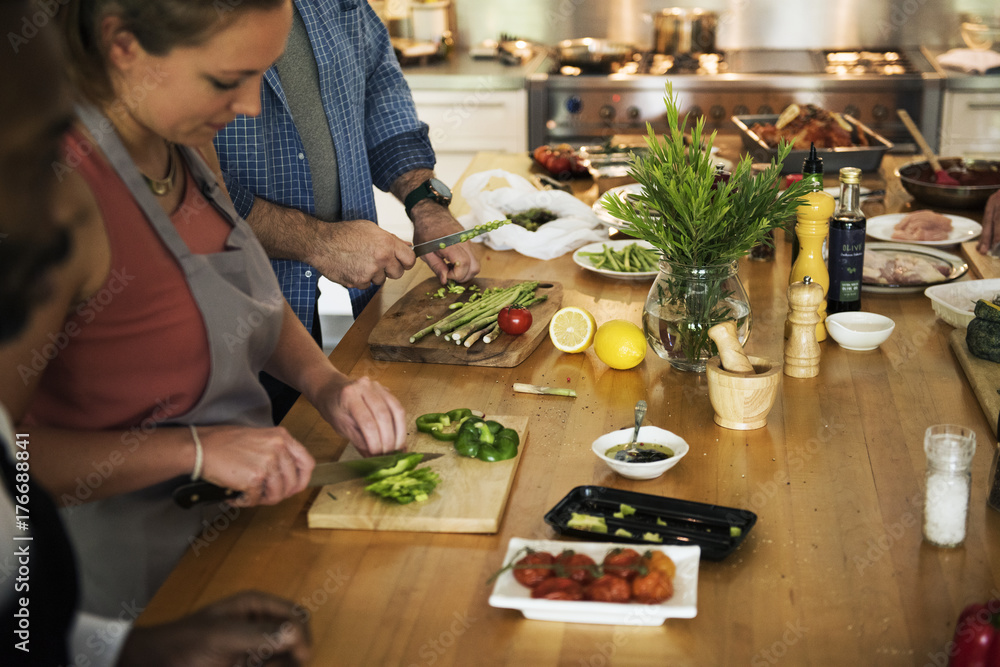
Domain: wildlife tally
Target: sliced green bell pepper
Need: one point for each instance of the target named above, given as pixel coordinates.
(443, 425)
(486, 440)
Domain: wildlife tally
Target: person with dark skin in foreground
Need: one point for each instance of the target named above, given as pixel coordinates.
(36, 241)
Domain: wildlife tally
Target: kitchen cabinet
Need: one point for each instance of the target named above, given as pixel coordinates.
(970, 124)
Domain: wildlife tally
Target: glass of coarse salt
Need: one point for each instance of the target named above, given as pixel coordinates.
(949, 450)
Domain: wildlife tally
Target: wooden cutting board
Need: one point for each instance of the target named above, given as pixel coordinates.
(390, 339)
(470, 497)
(984, 266)
(983, 376)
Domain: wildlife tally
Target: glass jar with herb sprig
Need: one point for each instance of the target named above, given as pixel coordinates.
(701, 229)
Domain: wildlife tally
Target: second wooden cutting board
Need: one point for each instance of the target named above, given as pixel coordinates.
(983, 376)
(390, 339)
(470, 497)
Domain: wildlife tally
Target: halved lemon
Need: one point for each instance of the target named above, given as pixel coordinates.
(572, 329)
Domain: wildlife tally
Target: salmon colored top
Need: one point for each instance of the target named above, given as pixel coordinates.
(136, 353)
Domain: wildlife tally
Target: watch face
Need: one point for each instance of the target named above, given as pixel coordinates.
(442, 190)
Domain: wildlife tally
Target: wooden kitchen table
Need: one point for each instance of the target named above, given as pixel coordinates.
(834, 573)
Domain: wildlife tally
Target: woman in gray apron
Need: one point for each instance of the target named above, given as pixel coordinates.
(130, 539)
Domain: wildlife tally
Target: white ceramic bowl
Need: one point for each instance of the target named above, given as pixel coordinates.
(648, 434)
(859, 331)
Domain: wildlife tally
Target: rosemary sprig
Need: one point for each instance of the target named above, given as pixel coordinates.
(681, 214)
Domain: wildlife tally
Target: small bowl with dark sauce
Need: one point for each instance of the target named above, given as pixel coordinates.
(660, 451)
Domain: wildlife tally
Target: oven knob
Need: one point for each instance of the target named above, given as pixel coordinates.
(740, 110)
(695, 111)
(765, 110)
(632, 113)
(717, 112)
(852, 110)
(607, 112)
(574, 104)
(880, 113)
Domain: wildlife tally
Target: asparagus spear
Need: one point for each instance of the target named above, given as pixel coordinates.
(536, 389)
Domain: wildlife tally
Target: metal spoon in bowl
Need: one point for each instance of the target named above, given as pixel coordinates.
(631, 451)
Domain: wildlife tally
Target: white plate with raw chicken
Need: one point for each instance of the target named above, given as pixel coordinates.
(923, 228)
(900, 267)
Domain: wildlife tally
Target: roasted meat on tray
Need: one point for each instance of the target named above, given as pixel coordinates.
(809, 124)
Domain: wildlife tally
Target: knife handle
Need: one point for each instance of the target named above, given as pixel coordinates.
(189, 495)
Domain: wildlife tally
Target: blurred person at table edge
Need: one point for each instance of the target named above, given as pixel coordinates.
(336, 117)
(35, 243)
(991, 224)
(140, 372)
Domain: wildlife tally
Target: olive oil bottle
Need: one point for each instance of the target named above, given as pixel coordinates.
(847, 245)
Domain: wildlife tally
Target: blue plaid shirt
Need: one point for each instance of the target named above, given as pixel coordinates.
(372, 119)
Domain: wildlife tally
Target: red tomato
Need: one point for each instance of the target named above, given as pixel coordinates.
(558, 588)
(578, 567)
(608, 588)
(530, 576)
(622, 562)
(514, 320)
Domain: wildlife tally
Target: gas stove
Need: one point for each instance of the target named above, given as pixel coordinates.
(568, 105)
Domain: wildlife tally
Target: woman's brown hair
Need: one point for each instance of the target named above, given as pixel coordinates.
(158, 25)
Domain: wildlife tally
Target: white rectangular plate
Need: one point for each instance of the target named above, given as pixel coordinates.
(509, 594)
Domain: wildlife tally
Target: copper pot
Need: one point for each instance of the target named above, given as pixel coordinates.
(679, 31)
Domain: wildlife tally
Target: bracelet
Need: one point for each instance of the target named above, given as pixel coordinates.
(199, 454)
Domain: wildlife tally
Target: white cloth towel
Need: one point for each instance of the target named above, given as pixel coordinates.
(969, 60)
(576, 225)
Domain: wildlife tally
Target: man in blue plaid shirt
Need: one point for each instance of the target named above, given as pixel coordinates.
(354, 125)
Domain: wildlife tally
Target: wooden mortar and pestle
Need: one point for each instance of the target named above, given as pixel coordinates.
(742, 389)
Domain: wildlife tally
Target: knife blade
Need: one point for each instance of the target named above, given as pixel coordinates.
(332, 472)
(458, 237)
(995, 250)
(421, 249)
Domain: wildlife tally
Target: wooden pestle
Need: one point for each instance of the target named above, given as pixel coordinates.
(731, 353)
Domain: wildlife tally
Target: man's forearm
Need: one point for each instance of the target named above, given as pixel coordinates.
(285, 233)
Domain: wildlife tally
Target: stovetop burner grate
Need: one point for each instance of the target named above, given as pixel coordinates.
(887, 63)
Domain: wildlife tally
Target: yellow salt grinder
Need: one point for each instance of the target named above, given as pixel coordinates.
(812, 222)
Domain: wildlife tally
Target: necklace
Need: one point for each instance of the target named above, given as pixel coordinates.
(162, 186)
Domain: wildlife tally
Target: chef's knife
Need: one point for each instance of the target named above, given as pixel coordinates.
(458, 237)
(189, 495)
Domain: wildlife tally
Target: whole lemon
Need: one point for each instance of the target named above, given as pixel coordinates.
(620, 344)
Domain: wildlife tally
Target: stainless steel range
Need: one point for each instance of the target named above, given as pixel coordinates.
(577, 107)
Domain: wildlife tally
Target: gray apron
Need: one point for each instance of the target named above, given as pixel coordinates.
(128, 544)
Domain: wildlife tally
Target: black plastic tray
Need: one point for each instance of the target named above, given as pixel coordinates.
(688, 522)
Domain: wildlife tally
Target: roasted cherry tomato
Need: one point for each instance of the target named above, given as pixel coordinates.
(578, 567)
(608, 588)
(661, 562)
(514, 320)
(652, 588)
(530, 576)
(558, 588)
(623, 563)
